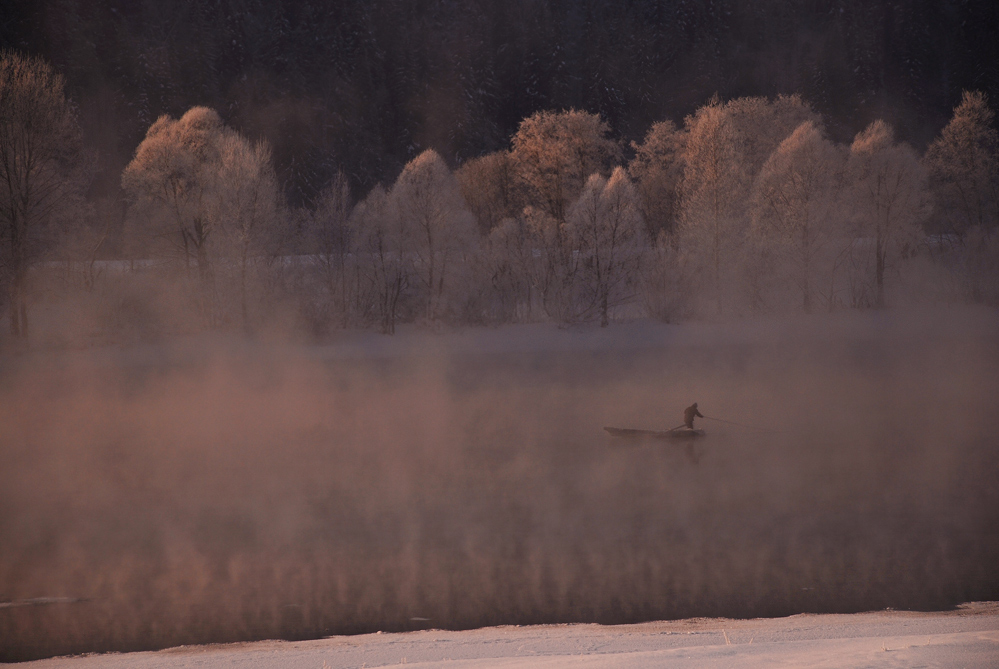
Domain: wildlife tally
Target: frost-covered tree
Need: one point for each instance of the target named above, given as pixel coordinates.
(333, 240)
(793, 196)
(512, 267)
(657, 171)
(428, 202)
(41, 170)
(964, 167)
(245, 205)
(887, 188)
(606, 229)
(385, 264)
(554, 264)
(760, 125)
(206, 192)
(555, 152)
(718, 154)
(489, 187)
(665, 280)
(712, 195)
(172, 181)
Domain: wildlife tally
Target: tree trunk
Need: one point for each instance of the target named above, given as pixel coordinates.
(879, 271)
(716, 252)
(187, 251)
(200, 242)
(806, 301)
(343, 289)
(18, 307)
(242, 291)
(15, 312)
(18, 302)
(430, 287)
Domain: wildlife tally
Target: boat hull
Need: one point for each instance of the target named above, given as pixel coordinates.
(668, 435)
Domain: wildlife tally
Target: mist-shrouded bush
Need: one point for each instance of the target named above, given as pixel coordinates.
(195, 494)
(79, 304)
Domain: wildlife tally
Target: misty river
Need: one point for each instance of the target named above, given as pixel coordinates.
(232, 491)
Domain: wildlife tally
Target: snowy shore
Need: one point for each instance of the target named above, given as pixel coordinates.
(965, 637)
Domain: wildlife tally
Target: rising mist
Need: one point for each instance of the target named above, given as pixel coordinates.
(215, 491)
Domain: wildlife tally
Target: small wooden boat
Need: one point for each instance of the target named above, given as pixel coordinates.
(681, 434)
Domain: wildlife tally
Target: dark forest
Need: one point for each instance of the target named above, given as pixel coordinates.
(364, 86)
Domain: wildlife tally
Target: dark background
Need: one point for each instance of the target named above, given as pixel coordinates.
(365, 85)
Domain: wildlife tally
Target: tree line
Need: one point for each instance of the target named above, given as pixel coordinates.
(364, 86)
(747, 206)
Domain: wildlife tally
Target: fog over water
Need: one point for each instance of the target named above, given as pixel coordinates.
(214, 491)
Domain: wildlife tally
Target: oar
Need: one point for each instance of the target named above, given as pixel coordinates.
(41, 601)
(732, 422)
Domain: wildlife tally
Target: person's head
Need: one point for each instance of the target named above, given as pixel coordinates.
(695, 405)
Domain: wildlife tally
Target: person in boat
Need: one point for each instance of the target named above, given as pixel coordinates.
(688, 415)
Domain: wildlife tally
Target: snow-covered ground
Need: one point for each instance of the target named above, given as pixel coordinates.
(966, 637)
